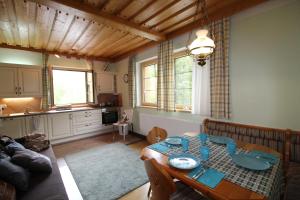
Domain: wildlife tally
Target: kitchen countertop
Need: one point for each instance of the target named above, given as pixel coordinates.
(46, 112)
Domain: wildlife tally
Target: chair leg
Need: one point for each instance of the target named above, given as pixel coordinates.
(149, 192)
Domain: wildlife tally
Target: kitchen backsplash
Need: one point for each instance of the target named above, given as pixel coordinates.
(19, 105)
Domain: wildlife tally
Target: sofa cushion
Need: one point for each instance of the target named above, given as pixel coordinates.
(45, 186)
(13, 146)
(31, 160)
(14, 174)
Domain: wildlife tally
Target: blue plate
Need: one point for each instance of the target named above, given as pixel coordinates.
(220, 139)
(176, 140)
(184, 161)
(250, 162)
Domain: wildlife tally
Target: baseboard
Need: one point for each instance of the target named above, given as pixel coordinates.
(138, 135)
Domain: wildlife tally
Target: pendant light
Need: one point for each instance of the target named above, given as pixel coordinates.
(202, 46)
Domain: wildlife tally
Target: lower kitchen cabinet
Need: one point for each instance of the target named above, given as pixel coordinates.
(14, 127)
(60, 125)
(36, 124)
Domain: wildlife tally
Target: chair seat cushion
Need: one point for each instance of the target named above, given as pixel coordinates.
(185, 192)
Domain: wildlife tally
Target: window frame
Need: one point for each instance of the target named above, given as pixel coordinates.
(143, 66)
(53, 105)
(178, 107)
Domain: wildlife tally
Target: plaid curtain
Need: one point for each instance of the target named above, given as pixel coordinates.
(132, 81)
(165, 77)
(219, 70)
(46, 99)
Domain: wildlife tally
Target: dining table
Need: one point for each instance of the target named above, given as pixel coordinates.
(235, 185)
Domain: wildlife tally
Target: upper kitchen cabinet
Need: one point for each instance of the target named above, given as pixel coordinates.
(105, 82)
(18, 81)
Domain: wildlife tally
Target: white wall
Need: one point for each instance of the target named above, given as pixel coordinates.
(265, 65)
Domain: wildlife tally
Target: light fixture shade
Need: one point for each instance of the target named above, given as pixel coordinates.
(202, 46)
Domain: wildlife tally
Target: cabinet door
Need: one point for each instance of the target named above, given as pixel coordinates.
(60, 125)
(13, 127)
(30, 82)
(36, 124)
(105, 82)
(8, 82)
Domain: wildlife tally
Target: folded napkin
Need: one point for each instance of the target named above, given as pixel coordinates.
(159, 147)
(271, 158)
(210, 177)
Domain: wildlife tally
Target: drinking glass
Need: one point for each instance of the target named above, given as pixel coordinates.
(185, 144)
(231, 147)
(203, 138)
(204, 151)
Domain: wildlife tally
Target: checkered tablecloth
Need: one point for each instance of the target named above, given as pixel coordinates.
(267, 183)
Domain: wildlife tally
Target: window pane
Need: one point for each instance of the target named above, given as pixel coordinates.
(150, 97)
(69, 87)
(150, 71)
(184, 80)
(90, 84)
(183, 64)
(184, 97)
(150, 83)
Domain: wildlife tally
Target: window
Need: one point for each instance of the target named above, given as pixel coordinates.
(149, 83)
(183, 81)
(72, 87)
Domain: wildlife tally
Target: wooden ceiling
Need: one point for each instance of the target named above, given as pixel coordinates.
(107, 30)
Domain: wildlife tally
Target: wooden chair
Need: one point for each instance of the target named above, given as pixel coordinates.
(156, 134)
(163, 187)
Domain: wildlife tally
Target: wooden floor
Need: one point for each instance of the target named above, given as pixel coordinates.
(61, 150)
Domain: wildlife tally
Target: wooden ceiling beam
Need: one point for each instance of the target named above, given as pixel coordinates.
(226, 11)
(92, 13)
(68, 55)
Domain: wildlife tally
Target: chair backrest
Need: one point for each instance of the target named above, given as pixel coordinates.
(161, 183)
(156, 134)
(129, 113)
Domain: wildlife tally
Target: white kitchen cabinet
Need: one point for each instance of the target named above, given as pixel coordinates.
(87, 121)
(36, 124)
(105, 82)
(13, 127)
(30, 82)
(60, 125)
(8, 82)
(20, 81)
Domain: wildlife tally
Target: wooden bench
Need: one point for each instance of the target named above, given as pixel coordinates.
(285, 141)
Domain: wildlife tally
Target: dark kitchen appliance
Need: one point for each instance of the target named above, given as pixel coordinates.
(110, 115)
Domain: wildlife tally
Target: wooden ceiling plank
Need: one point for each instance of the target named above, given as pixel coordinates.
(53, 52)
(61, 26)
(89, 12)
(13, 21)
(5, 24)
(128, 3)
(117, 56)
(115, 44)
(175, 14)
(104, 32)
(52, 28)
(107, 41)
(31, 13)
(101, 6)
(81, 34)
(159, 11)
(20, 8)
(90, 33)
(126, 45)
(141, 10)
(132, 45)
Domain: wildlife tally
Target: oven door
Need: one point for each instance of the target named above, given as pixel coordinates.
(109, 117)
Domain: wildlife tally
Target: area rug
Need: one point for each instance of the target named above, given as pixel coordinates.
(107, 172)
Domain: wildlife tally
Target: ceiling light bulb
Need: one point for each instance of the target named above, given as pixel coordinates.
(56, 55)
